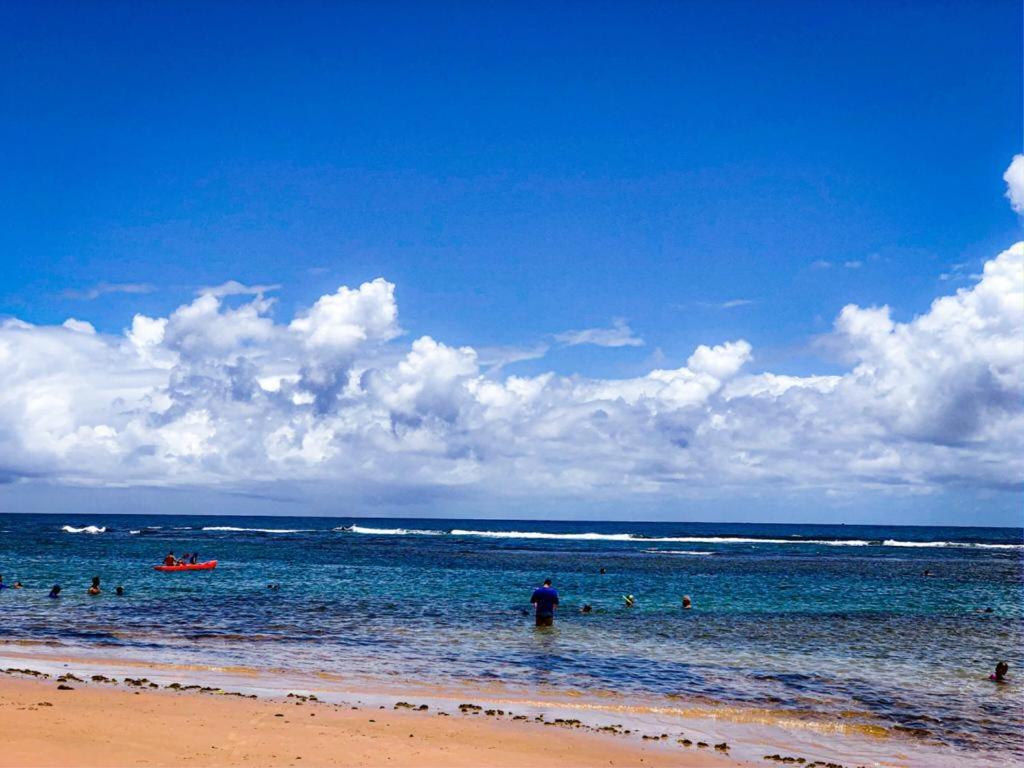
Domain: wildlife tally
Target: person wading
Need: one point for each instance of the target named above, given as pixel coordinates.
(545, 598)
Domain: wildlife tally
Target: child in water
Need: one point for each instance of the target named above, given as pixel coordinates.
(1000, 674)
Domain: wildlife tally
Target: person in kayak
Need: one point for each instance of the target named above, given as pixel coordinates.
(545, 598)
(169, 560)
(195, 557)
(95, 588)
(184, 559)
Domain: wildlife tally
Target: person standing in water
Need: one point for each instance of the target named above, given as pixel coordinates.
(95, 588)
(545, 598)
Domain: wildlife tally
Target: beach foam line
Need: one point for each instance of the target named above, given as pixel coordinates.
(87, 529)
(232, 529)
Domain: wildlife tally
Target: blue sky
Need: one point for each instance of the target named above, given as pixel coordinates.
(700, 172)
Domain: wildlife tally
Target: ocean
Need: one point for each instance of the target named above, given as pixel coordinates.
(893, 627)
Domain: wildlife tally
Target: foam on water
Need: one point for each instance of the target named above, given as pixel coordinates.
(93, 529)
(233, 529)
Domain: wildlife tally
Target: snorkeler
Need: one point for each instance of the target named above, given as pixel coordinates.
(95, 588)
(545, 598)
(1000, 674)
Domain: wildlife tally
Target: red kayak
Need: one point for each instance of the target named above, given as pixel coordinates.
(209, 565)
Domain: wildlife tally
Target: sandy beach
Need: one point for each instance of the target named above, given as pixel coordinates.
(46, 722)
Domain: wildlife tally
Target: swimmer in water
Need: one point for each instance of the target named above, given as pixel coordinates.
(1000, 674)
(55, 592)
(629, 600)
(95, 588)
(119, 591)
(686, 602)
(586, 608)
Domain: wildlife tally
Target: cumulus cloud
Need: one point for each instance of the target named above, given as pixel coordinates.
(221, 394)
(1014, 178)
(619, 335)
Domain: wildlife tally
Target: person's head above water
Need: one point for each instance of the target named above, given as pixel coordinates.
(686, 602)
(95, 581)
(547, 582)
(1001, 669)
(55, 591)
(119, 591)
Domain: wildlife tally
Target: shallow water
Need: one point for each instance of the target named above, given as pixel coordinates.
(816, 619)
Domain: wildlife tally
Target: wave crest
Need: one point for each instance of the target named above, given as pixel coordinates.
(233, 529)
(87, 529)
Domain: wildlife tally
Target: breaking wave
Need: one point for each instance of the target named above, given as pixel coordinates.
(86, 529)
(389, 531)
(232, 529)
(629, 537)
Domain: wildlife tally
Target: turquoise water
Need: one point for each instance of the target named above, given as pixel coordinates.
(818, 619)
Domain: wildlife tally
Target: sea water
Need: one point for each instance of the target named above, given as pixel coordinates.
(898, 627)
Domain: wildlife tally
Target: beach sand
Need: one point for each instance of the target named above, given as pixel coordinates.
(99, 724)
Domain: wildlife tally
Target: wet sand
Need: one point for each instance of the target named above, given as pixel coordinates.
(97, 723)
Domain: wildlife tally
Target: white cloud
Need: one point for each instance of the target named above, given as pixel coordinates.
(78, 326)
(619, 335)
(102, 289)
(225, 396)
(853, 264)
(1014, 178)
(235, 288)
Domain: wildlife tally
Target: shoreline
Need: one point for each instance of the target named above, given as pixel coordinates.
(634, 731)
(99, 724)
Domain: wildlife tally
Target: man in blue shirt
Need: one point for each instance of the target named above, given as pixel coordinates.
(545, 598)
